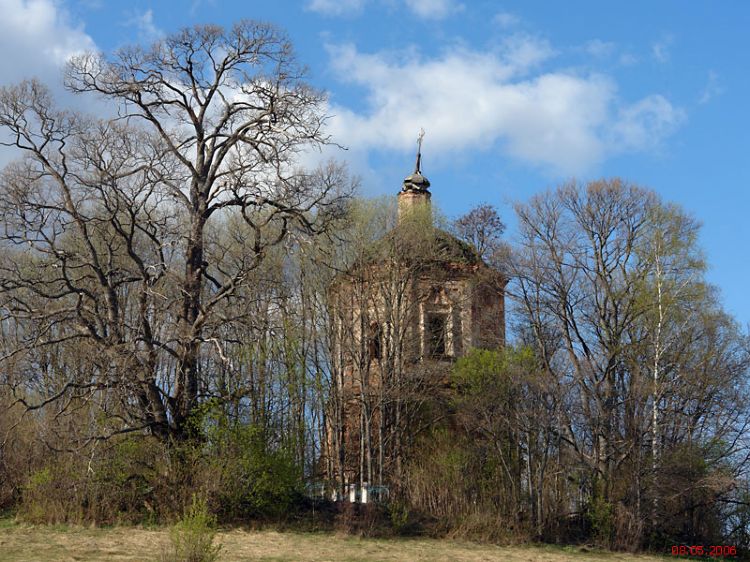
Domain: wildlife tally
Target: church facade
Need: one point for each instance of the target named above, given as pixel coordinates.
(419, 300)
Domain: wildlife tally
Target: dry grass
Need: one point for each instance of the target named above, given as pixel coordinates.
(19, 543)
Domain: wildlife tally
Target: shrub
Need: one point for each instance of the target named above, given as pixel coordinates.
(109, 485)
(601, 518)
(257, 481)
(248, 474)
(51, 495)
(192, 538)
(398, 513)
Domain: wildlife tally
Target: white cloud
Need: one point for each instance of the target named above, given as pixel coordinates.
(628, 59)
(561, 121)
(36, 38)
(425, 9)
(523, 52)
(712, 89)
(660, 50)
(599, 49)
(506, 20)
(92, 4)
(144, 24)
(643, 125)
(434, 9)
(197, 5)
(336, 7)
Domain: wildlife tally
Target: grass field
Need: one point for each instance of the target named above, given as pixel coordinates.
(20, 543)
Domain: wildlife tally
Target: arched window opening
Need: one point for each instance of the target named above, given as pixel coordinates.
(435, 326)
(375, 341)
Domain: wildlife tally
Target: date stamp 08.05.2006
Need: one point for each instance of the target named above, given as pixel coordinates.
(712, 551)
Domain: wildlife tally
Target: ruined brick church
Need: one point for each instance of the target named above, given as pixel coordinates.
(417, 300)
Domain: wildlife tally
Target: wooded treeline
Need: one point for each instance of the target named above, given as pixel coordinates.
(166, 328)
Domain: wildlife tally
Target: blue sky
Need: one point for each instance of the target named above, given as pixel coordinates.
(515, 97)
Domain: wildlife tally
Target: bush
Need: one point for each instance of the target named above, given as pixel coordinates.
(21, 453)
(136, 479)
(601, 519)
(249, 476)
(193, 536)
(242, 471)
(114, 485)
(398, 513)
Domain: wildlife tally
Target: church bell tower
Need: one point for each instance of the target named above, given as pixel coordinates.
(414, 194)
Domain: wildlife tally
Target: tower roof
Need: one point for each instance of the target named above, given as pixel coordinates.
(416, 182)
(432, 245)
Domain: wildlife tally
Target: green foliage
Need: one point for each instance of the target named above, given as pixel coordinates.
(113, 485)
(601, 518)
(39, 479)
(239, 468)
(481, 370)
(192, 538)
(398, 514)
(256, 480)
(250, 476)
(126, 475)
(36, 498)
(482, 439)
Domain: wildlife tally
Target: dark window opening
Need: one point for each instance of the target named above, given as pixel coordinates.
(435, 328)
(374, 343)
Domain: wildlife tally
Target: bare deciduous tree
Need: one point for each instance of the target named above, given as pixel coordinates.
(482, 228)
(611, 294)
(211, 125)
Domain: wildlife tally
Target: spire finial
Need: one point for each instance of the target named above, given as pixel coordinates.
(416, 181)
(418, 166)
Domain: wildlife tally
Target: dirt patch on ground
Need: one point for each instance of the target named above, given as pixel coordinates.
(20, 543)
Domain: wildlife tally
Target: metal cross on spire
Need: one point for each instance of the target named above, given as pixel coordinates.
(418, 166)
